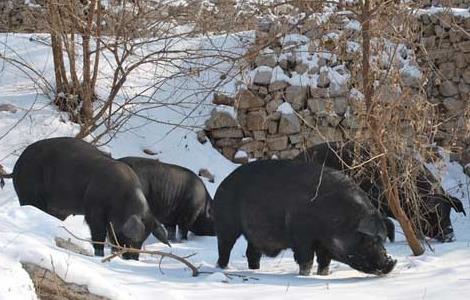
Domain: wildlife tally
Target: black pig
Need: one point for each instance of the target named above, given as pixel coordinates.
(176, 196)
(65, 176)
(279, 204)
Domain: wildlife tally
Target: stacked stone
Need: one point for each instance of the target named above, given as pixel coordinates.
(446, 3)
(277, 116)
(18, 16)
(447, 48)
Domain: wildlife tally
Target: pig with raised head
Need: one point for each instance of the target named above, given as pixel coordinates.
(176, 196)
(313, 210)
(67, 176)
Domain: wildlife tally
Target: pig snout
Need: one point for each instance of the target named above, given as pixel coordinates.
(388, 266)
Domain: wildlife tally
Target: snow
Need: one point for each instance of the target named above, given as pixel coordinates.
(241, 154)
(27, 234)
(458, 12)
(279, 75)
(285, 109)
(226, 109)
(353, 25)
(352, 47)
(294, 39)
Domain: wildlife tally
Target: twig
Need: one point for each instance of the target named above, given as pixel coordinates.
(121, 250)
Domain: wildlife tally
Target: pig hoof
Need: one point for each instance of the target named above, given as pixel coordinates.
(253, 266)
(323, 272)
(305, 270)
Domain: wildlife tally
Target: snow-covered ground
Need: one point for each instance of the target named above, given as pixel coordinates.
(27, 234)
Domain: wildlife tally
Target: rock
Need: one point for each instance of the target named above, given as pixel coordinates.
(8, 107)
(275, 116)
(464, 46)
(440, 32)
(301, 68)
(319, 92)
(460, 61)
(278, 85)
(150, 152)
(262, 90)
(447, 69)
(263, 76)
(317, 106)
(429, 42)
(340, 105)
(272, 127)
(259, 135)
(464, 88)
(273, 105)
(201, 136)
(351, 122)
(440, 54)
(240, 157)
(448, 88)
(228, 142)
(269, 60)
(389, 93)
(289, 154)
(241, 118)
(277, 143)
(323, 79)
(314, 70)
(296, 138)
(229, 153)
(221, 99)
(333, 119)
(220, 119)
(256, 120)
(246, 99)
(454, 36)
(226, 133)
(206, 174)
(411, 76)
(453, 105)
(296, 96)
(466, 75)
(289, 124)
(251, 145)
(425, 19)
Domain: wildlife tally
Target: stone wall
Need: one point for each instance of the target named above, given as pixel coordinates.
(301, 91)
(447, 3)
(16, 16)
(445, 52)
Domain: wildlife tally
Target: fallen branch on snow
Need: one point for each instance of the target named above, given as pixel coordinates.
(121, 250)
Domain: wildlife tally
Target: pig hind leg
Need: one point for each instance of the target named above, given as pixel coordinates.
(225, 245)
(228, 232)
(253, 256)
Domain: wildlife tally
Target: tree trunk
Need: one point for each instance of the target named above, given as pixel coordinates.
(87, 94)
(377, 130)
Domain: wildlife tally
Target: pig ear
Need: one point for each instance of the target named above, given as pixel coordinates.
(160, 232)
(134, 228)
(456, 204)
(373, 225)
